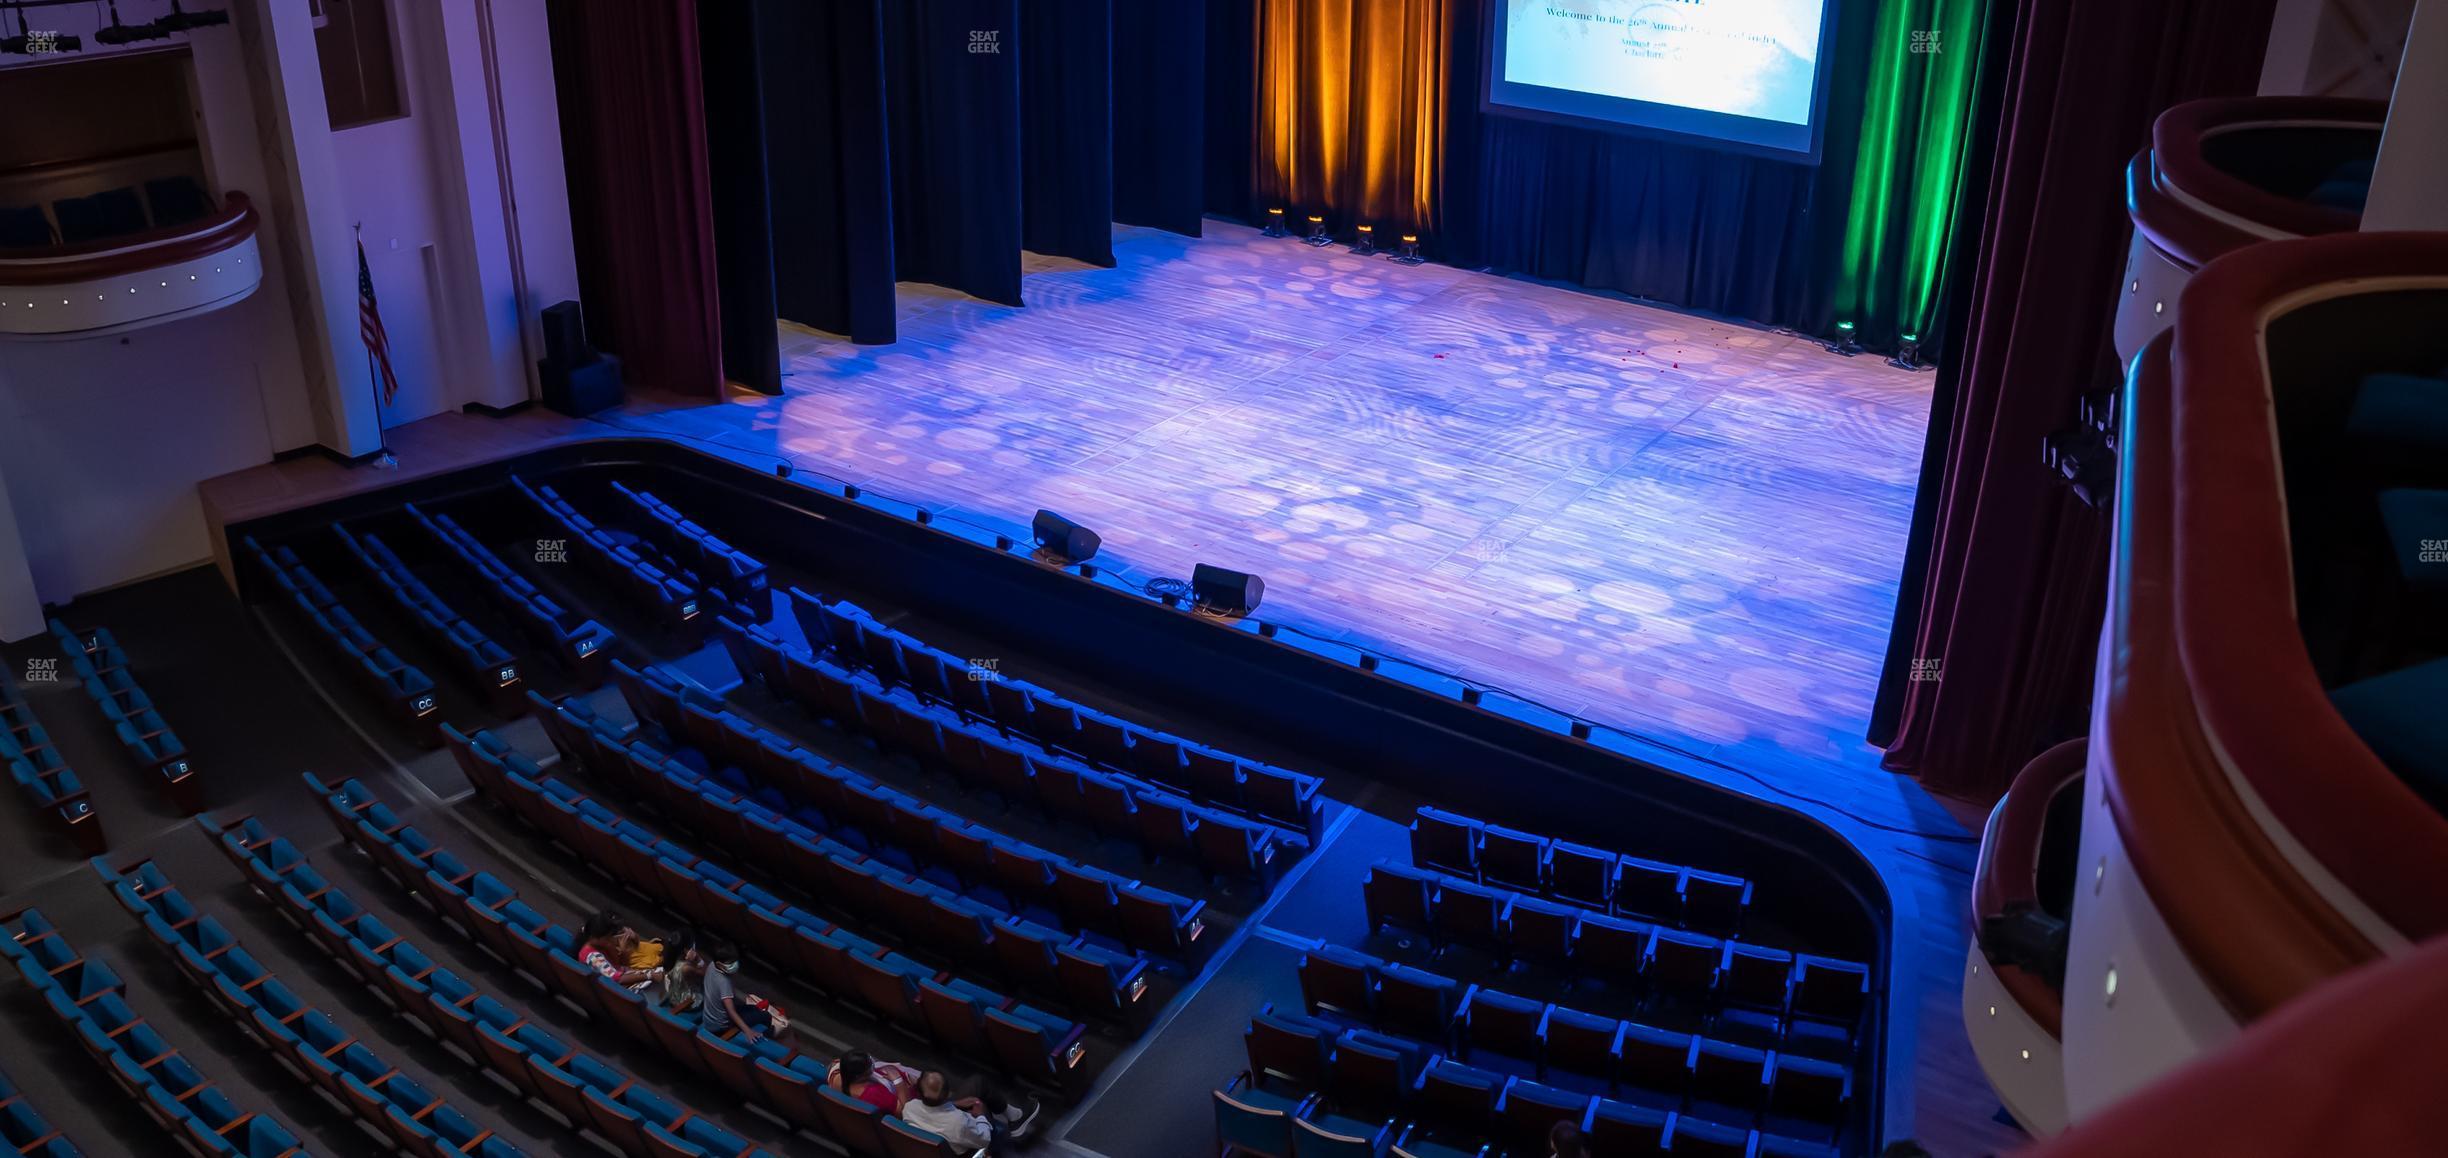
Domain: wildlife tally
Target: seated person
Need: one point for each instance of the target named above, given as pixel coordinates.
(609, 946)
(722, 1006)
(979, 1125)
(1567, 1141)
(684, 986)
(884, 1085)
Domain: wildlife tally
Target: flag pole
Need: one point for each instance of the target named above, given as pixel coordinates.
(383, 458)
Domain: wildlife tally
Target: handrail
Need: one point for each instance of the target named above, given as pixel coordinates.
(2188, 236)
(2007, 873)
(2177, 156)
(2243, 800)
(2006, 877)
(112, 256)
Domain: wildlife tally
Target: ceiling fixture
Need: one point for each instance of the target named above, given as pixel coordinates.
(118, 34)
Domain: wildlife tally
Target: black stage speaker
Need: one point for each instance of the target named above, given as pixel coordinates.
(578, 380)
(565, 341)
(1230, 592)
(1064, 538)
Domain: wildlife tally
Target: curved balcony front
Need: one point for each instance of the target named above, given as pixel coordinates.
(118, 284)
(2223, 174)
(2012, 1004)
(2241, 842)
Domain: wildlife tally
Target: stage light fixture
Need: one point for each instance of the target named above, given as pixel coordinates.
(1367, 245)
(1908, 353)
(1275, 224)
(1409, 253)
(118, 34)
(181, 21)
(1843, 344)
(1317, 232)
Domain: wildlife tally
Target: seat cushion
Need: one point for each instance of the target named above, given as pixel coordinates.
(2398, 716)
(2417, 525)
(2406, 413)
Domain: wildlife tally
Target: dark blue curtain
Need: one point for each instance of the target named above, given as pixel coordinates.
(1066, 128)
(1160, 113)
(953, 93)
(828, 164)
(1231, 147)
(735, 164)
(1743, 236)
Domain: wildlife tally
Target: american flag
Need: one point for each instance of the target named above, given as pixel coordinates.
(370, 328)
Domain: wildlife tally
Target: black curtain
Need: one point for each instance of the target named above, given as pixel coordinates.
(953, 94)
(1066, 128)
(1160, 113)
(1231, 115)
(735, 161)
(1695, 227)
(828, 164)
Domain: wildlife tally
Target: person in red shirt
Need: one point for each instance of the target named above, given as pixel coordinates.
(884, 1085)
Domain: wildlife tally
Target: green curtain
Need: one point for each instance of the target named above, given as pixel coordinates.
(1908, 166)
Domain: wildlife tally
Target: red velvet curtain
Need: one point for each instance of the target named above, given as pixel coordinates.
(2009, 595)
(633, 141)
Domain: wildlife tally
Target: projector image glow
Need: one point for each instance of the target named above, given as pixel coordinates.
(1742, 73)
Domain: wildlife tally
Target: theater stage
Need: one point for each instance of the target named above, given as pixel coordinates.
(1685, 528)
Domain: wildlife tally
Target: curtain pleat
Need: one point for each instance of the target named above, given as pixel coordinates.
(641, 211)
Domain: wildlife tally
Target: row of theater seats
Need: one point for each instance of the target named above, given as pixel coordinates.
(673, 599)
(1161, 822)
(587, 1091)
(305, 1040)
(90, 1002)
(791, 1084)
(736, 574)
(923, 907)
(1618, 884)
(109, 213)
(579, 644)
(1316, 1089)
(101, 666)
(24, 1130)
(1020, 709)
(483, 663)
(404, 690)
(835, 801)
(1631, 1060)
(1758, 992)
(42, 776)
(1030, 1044)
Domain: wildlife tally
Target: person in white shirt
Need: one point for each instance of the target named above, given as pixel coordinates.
(979, 1125)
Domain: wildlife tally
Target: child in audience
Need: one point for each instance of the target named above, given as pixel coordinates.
(610, 947)
(684, 986)
(884, 1085)
(1567, 1141)
(723, 1006)
(979, 1125)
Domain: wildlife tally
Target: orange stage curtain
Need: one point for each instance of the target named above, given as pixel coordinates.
(1351, 110)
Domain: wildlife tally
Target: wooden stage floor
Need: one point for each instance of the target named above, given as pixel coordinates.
(1685, 528)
